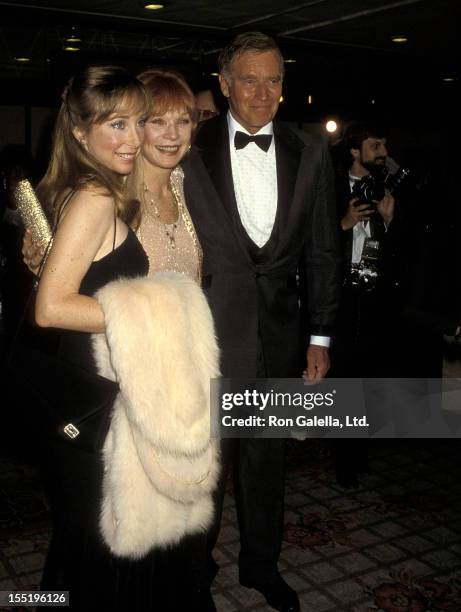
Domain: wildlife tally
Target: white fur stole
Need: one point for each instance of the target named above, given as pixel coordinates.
(160, 465)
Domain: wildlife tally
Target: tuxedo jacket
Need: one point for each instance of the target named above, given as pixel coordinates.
(253, 293)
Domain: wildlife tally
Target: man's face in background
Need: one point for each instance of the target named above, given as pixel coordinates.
(373, 153)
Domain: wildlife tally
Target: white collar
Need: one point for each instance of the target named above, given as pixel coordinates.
(234, 126)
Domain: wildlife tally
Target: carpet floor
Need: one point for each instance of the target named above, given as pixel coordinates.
(393, 544)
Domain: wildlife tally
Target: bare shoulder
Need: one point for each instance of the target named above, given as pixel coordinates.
(93, 202)
(95, 194)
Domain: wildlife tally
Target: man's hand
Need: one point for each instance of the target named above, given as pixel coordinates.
(32, 253)
(318, 362)
(386, 208)
(355, 213)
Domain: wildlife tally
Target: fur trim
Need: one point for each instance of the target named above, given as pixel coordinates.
(160, 464)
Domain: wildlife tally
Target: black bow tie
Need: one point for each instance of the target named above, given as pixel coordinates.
(262, 140)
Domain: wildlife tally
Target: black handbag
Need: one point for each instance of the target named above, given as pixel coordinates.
(76, 404)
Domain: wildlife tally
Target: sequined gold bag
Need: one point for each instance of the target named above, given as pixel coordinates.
(31, 211)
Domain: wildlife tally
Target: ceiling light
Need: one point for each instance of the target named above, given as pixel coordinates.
(73, 36)
(281, 99)
(309, 99)
(399, 39)
(214, 73)
(153, 6)
(449, 79)
(290, 61)
(331, 126)
(22, 59)
(71, 48)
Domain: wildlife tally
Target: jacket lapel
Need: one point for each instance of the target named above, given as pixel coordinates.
(288, 149)
(213, 146)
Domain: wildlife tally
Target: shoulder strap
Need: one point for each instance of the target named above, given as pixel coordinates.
(61, 208)
(115, 228)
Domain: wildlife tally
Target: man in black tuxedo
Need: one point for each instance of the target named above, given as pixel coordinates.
(261, 196)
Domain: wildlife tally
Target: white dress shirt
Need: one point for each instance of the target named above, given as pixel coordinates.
(255, 183)
(360, 232)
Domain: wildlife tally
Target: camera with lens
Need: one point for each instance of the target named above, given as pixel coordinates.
(365, 274)
(372, 187)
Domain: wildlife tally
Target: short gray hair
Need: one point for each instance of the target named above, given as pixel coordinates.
(248, 42)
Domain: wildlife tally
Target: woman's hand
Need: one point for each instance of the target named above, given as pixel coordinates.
(32, 252)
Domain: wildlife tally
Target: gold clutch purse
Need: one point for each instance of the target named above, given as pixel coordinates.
(31, 211)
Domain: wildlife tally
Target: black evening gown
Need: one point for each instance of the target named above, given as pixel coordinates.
(78, 561)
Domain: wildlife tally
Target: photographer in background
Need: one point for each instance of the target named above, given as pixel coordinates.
(365, 345)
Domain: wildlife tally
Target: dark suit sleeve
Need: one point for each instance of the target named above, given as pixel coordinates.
(322, 253)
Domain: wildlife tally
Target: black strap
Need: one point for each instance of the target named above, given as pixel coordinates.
(115, 228)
